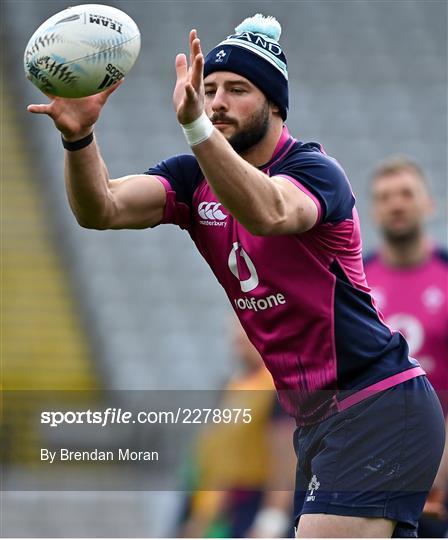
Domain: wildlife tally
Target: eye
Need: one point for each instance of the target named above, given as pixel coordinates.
(407, 194)
(210, 93)
(237, 90)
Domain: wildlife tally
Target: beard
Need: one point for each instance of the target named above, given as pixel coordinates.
(403, 237)
(251, 133)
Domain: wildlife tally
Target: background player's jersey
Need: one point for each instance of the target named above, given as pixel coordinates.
(414, 301)
(302, 299)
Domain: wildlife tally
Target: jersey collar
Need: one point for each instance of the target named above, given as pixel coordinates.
(284, 144)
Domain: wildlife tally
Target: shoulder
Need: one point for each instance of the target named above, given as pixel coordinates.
(322, 175)
(183, 164)
(182, 173)
(309, 155)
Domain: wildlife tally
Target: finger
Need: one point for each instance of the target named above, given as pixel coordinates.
(197, 72)
(193, 36)
(39, 109)
(191, 92)
(106, 93)
(197, 46)
(181, 67)
(195, 50)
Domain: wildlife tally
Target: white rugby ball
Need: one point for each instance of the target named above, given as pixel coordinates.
(82, 50)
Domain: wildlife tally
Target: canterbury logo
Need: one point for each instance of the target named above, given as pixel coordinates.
(210, 210)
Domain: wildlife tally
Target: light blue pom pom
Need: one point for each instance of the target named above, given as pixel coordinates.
(258, 24)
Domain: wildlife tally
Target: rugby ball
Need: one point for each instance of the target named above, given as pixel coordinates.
(82, 51)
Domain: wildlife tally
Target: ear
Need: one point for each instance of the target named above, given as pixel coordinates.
(274, 108)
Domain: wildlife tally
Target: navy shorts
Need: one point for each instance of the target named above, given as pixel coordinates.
(377, 458)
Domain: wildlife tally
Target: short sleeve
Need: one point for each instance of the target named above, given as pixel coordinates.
(180, 175)
(321, 177)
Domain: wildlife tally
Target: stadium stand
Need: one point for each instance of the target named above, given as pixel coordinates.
(43, 346)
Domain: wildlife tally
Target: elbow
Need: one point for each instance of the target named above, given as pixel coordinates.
(280, 224)
(93, 223)
(268, 226)
(271, 221)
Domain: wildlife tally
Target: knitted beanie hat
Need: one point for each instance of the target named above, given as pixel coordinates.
(254, 53)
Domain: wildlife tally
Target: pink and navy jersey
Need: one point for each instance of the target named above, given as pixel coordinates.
(302, 299)
(414, 301)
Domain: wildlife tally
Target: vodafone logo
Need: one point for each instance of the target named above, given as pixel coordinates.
(252, 281)
(211, 214)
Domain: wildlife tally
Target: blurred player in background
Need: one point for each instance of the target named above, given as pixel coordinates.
(242, 471)
(275, 220)
(409, 280)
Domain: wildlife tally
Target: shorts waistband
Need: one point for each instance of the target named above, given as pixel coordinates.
(385, 384)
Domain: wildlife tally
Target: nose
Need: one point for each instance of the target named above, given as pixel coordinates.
(219, 102)
(397, 201)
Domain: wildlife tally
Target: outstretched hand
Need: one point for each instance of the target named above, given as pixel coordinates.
(74, 117)
(188, 97)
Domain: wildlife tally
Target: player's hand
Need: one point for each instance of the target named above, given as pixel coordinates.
(74, 117)
(188, 97)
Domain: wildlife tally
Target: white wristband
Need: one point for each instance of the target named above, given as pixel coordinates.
(272, 523)
(198, 131)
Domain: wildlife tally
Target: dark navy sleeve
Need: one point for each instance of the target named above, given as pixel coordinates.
(180, 176)
(183, 174)
(322, 177)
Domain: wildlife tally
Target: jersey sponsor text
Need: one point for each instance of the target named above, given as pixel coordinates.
(260, 304)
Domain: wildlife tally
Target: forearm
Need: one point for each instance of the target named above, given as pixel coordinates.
(87, 179)
(247, 193)
(86, 176)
